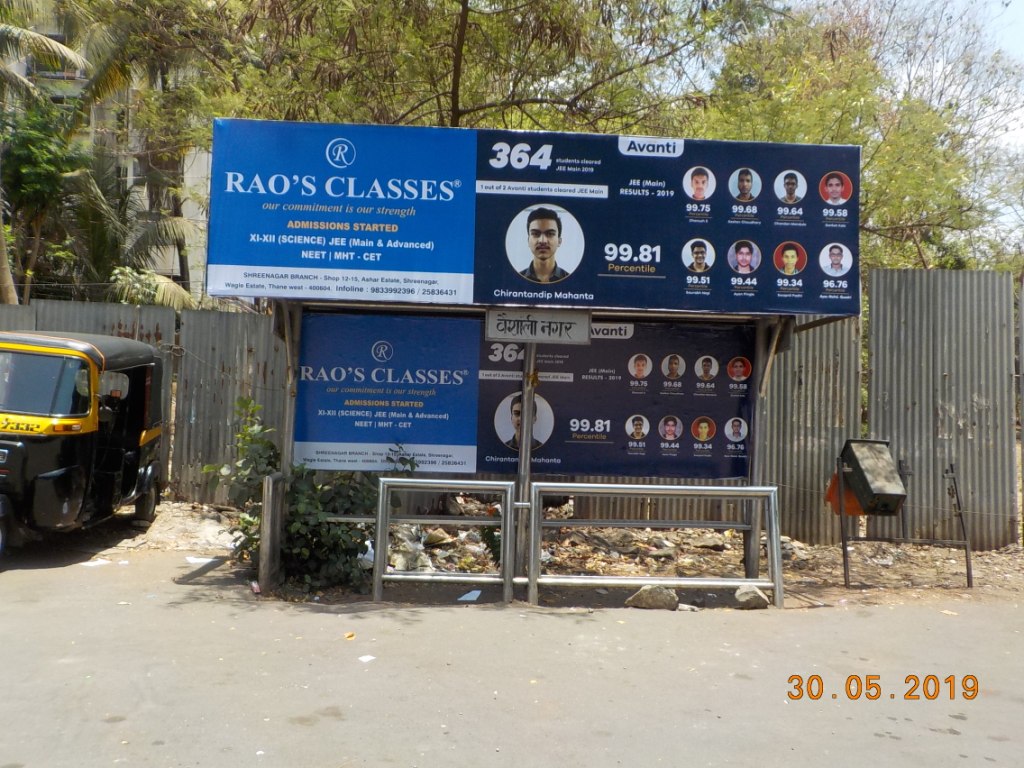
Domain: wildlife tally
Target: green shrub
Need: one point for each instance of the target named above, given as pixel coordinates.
(315, 551)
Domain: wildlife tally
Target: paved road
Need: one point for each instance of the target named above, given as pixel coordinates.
(152, 660)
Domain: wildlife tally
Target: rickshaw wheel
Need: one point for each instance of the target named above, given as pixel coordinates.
(145, 505)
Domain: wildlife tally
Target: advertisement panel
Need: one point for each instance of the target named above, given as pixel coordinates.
(642, 400)
(341, 213)
(507, 218)
(705, 226)
(369, 383)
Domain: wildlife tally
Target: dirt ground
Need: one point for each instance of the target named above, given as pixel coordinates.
(881, 573)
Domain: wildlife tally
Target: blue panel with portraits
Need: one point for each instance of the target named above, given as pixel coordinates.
(702, 226)
(643, 400)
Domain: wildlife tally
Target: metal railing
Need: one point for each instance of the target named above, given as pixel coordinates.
(504, 522)
(750, 526)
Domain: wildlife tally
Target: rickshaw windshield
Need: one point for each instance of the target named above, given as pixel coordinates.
(43, 385)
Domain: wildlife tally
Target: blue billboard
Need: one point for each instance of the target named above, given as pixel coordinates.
(341, 213)
(368, 384)
(488, 218)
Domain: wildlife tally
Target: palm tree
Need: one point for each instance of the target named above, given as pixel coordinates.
(16, 43)
(114, 235)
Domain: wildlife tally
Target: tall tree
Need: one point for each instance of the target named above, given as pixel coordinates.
(163, 63)
(36, 162)
(16, 43)
(915, 84)
(595, 65)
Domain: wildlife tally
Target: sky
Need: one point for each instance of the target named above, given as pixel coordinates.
(1009, 25)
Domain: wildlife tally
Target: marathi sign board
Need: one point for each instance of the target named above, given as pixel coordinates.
(660, 399)
(494, 218)
(557, 326)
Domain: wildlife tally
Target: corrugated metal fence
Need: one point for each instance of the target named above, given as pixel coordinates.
(221, 357)
(941, 389)
(811, 407)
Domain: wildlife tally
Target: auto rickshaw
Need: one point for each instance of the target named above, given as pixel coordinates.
(80, 431)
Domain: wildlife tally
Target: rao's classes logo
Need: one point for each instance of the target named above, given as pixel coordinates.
(382, 351)
(341, 153)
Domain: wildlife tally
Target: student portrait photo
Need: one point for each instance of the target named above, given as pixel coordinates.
(739, 369)
(699, 183)
(639, 366)
(835, 260)
(790, 187)
(702, 428)
(744, 257)
(637, 427)
(672, 366)
(508, 421)
(544, 244)
(835, 188)
(706, 368)
(745, 185)
(698, 255)
(668, 428)
(736, 430)
(790, 258)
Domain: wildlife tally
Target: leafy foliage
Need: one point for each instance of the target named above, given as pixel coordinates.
(915, 86)
(317, 550)
(258, 456)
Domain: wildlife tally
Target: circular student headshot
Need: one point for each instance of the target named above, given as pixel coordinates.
(744, 257)
(637, 427)
(705, 368)
(835, 188)
(739, 369)
(735, 429)
(668, 428)
(703, 428)
(790, 258)
(508, 420)
(639, 366)
(699, 183)
(544, 243)
(698, 255)
(673, 366)
(835, 259)
(790, 187)
(745, 185)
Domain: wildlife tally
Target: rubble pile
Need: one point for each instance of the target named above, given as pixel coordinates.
(698, 553)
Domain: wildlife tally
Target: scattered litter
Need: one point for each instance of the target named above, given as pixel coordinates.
(124, 602)
(365, 559)
(950, 613)
(95, 563)
(193, 560)
(350, 635)
(367, 659)
(601, 591)
(473, 594)
(255, 586)
(122, 562)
